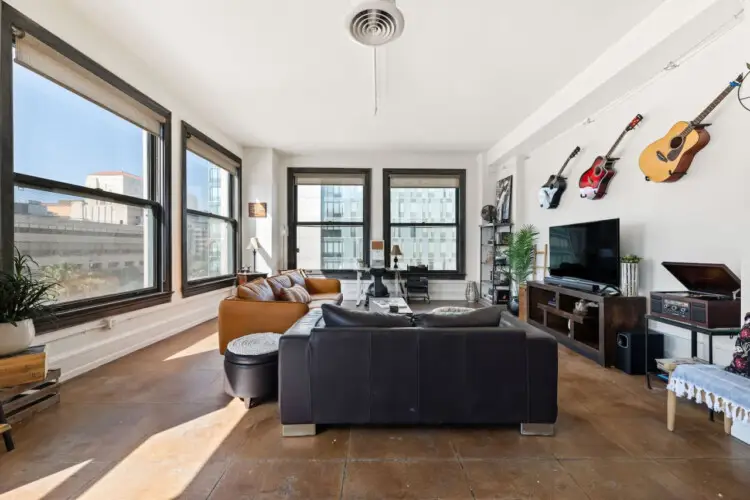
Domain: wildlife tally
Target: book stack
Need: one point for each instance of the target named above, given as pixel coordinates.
(25, 367)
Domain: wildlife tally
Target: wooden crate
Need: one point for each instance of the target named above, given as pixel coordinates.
(27, 367)
(23, 401)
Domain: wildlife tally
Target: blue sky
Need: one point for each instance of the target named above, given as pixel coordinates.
(59, 135)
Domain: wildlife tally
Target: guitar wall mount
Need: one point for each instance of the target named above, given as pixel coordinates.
(743, 93)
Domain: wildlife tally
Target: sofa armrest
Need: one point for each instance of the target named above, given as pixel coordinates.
(238, 317)
(322, 285)
(541, 366)
(295, 386)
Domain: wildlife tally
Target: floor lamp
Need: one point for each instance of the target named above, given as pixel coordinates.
(254, 246)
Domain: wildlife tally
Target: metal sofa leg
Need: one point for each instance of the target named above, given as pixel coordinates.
(298, 430)
(538, 429)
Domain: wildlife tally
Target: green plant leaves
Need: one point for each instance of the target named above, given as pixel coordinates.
(23, 295)
(520, 254)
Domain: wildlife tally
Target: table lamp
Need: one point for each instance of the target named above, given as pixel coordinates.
(254, 246)
(396, 252)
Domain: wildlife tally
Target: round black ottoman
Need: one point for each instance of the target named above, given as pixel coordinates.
(251, 367)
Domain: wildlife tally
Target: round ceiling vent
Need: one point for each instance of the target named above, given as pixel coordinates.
(375, 23)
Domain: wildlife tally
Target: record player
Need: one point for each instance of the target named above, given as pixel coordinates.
(711, 299)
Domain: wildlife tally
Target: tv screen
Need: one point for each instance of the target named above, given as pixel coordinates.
(588, 251)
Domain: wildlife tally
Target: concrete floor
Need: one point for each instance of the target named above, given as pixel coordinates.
(157, 425)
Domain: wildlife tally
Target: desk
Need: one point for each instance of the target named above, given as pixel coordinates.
(694, 331)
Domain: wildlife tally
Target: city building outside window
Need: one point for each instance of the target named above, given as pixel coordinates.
(328, 219)
(423, 214)
(88, 175)
(210, 212)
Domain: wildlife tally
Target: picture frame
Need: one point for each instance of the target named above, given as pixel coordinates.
(504, 199)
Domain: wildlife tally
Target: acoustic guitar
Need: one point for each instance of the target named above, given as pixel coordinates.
(669, 158)
(552, 190)
(594, 182)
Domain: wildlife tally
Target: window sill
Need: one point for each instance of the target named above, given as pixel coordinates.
(84, 314)
(198, 287)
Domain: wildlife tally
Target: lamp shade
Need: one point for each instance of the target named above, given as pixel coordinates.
(254, 244)
(396, 251)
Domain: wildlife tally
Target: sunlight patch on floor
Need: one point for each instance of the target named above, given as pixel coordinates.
(42, 487)
(166, 463)
(207, 344)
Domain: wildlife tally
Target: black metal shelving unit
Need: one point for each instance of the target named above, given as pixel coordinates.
(494, 287)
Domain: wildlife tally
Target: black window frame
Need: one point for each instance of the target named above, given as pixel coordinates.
(196, 287)
(77, 312)
(460, 224)
(293, 223)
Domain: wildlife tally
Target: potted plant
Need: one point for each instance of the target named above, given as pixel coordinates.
(520, 262)
(629, 275)
(23, 297)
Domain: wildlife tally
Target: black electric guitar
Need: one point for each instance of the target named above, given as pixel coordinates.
(553, 189)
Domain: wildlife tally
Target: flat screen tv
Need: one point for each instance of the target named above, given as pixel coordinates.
(587, 251)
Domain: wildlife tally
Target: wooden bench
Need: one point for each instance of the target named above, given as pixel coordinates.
(720, 390)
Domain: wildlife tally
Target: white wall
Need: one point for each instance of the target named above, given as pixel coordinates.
(84, 347)
(274, 184)
(700, 218)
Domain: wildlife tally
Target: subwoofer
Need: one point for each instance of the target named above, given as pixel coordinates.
(631, 351)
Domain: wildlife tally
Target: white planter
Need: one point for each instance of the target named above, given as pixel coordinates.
(629, 279)
(15, 339)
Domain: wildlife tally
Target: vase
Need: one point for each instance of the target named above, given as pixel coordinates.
(629, 279)
(472, 294)
(15, 339)
(513, 307)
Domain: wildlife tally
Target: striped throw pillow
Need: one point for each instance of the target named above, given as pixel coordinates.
(296, 293)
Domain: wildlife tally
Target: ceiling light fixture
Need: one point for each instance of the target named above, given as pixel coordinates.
(372, 24)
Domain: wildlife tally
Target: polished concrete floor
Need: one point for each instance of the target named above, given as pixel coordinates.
(156, 425)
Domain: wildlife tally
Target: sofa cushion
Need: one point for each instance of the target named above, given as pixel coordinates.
(488, 316)
(296, 293)
(258, 290)
(277, 283)
(296, 276)
(337, 317)
(334, 298)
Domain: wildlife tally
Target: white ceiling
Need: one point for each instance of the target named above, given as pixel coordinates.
(284, 74)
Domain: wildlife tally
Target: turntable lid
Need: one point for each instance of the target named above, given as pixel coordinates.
(708, 278)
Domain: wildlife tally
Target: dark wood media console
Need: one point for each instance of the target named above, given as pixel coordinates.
(550, 308)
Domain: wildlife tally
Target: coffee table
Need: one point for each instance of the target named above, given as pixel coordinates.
(382, 305)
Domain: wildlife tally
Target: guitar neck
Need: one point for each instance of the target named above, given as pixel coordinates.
(617, 143)
(563, 167)
(699, 119)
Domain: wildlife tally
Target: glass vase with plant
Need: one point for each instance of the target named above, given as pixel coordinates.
(24, 296)
(520, 260)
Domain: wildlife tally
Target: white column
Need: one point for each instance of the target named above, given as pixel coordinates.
(262, 178)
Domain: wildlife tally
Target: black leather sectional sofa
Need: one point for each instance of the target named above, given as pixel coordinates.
(393, 373)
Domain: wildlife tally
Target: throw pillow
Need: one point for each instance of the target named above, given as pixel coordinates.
(488, 316)
(339, 317)
(257, 290)
(741, 358)
(295, 293)
(277, 283)
(452, 310)
(296, 276)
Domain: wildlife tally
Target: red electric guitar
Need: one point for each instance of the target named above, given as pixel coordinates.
(594, 181)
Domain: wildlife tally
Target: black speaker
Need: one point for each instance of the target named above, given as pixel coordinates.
(631, 351)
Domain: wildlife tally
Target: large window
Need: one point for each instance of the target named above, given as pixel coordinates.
(328, 219)
(423, 214)
(83, 180)
(210, 211)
